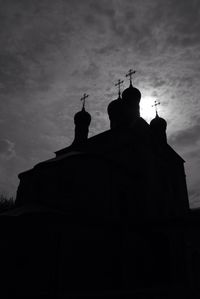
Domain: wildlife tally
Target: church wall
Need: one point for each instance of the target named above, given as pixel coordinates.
(151, 185)
(155, 184)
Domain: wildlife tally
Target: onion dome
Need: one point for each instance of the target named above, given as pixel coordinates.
(131, 93)
(131, 105)
(126, 109)
(159, 125)
(114, 112)
(115, 108)
(82, 118)
(82, 121)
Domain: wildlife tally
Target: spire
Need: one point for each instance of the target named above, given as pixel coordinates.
(155, 105)
(130, 74)
(118, 84)
(85, 96)
(82, 121)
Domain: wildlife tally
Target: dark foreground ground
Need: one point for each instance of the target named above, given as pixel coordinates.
(47, 254)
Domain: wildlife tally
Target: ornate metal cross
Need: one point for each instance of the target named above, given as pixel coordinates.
(85, 96)
(155, 105)
(130, 74)
(118, 84)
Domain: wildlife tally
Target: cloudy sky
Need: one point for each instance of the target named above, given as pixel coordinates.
(54, 51)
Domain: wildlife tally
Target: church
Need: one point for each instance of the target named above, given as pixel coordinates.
(129, 169)
(114, 212)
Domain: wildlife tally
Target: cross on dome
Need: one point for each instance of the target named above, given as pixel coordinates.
(85, 96)
(118, 84)
(130, 74)
(155, 105)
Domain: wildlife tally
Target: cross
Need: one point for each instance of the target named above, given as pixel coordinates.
(85, 96)
(155, 105)
(119, 82)
(129, 74)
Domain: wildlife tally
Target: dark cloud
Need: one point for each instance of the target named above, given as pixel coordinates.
(103, 7)
(186, 137)
(12, 73)
(194, 196)
(186, 22)
(91, 70)
(30, 34)
(124, 22)
(6, 149)
(193, 154)
(158, 81)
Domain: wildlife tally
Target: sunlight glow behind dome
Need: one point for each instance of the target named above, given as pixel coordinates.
(146, 110)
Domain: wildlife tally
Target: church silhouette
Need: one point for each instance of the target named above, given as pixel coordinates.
(113, 210)
(129, 169)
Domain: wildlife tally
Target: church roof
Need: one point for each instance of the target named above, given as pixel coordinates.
(115, 140)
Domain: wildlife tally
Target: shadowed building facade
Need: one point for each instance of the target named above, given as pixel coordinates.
(129, 165)
(116, 198)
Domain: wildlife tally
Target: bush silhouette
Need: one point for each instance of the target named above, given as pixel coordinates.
(6, 202)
